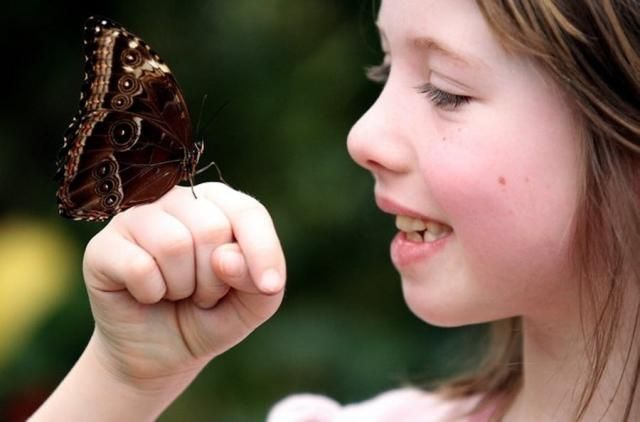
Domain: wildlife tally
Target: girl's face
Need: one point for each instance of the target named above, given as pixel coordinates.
(479, 148)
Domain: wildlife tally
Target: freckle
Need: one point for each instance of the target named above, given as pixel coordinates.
(444, 138)
(502, 181)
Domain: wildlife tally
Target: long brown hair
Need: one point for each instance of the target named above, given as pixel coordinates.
(591, 48)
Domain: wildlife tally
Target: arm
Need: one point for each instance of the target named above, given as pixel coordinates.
(172, 285)
(92, 391)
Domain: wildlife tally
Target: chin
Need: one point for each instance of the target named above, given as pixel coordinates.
(443, 308)
(439, 317)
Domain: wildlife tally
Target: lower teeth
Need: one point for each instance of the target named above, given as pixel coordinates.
(430, 237)
(414, 237)
(420, 237)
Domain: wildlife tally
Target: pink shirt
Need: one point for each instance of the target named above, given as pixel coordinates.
(401, 405)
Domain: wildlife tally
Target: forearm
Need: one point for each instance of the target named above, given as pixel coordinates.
(91, 392)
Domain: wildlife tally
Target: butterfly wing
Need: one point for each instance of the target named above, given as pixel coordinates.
(131, 139)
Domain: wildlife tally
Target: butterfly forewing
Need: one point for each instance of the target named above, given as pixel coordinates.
(131, 139)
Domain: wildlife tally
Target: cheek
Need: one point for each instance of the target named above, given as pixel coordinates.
(511, 201)
(506, 216)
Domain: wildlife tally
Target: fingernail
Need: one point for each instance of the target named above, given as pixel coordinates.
(271, 281)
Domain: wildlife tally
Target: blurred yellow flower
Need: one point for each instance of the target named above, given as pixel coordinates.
(36, 265)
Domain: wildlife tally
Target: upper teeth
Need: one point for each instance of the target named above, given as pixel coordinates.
(412, 226)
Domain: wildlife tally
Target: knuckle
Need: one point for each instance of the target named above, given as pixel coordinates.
(141, 267)
(175, 243)
(94, 261)
(175, 193)
(251, 208)
(91, 262)
(211, 188)
(93, 246)
(209, 294)
(213, 232)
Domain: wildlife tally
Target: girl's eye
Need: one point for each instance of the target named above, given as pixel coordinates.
(443, 99)
(378, 73)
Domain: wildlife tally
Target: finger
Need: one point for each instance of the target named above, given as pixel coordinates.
(126, 266)
(209, 228)
(234, 317)
(254, 231)
(169, 242)
(230, 267)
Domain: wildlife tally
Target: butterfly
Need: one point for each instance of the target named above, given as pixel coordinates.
(131, 140)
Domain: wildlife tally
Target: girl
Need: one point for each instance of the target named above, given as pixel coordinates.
(505, 142)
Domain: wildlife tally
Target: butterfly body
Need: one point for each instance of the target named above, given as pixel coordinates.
(131, 140)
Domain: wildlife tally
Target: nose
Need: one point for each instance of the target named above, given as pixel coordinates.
(378, 140)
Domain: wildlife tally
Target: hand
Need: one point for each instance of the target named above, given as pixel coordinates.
(174, 283)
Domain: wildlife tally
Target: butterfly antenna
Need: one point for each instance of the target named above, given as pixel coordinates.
(202, 103)
(210, 122)
(204, 130)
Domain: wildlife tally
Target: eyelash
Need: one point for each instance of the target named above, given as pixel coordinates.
(439, 98)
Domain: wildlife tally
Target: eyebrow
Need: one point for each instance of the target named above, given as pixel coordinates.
(432, 44)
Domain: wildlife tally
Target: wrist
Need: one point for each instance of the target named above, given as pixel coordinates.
(144, 375)
(95, 390)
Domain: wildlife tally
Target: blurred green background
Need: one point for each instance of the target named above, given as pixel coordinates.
(292, 74)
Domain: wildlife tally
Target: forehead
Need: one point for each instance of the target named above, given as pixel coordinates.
(451, 26)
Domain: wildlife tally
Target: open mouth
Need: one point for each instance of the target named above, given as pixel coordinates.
(419, 230)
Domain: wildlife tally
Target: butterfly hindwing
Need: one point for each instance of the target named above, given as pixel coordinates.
(131, 139)
(115, 167)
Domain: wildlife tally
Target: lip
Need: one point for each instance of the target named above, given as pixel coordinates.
(405, 252)
(391, 207)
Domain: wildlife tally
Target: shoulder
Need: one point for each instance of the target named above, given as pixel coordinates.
(405, 404)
